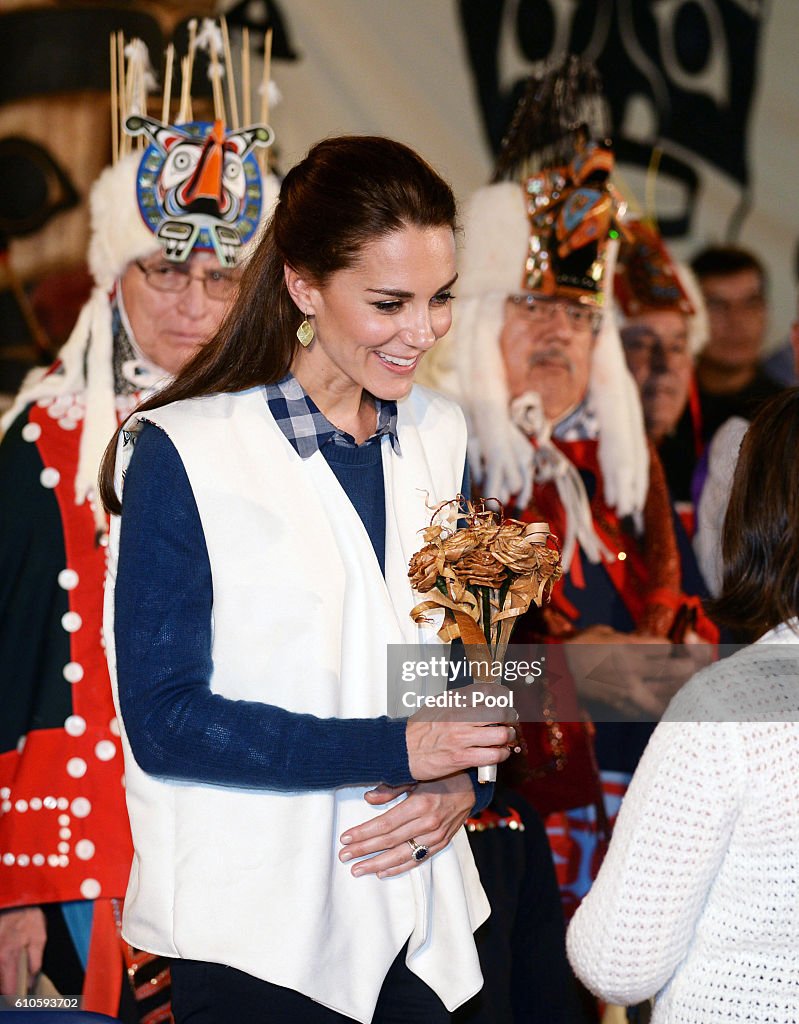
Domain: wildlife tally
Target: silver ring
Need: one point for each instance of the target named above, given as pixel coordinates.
(418, 850)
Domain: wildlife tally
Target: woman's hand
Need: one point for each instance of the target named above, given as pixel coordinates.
(431, 815)
(23, 932)
(470, 734)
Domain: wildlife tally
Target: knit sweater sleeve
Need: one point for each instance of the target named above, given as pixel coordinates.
(635, 926)
(176, 726)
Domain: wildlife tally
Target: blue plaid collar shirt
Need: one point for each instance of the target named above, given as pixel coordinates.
(308, 430)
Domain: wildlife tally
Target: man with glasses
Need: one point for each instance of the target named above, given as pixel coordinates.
(64, 835)
(546, 346)
(174, 308)
(556, 421)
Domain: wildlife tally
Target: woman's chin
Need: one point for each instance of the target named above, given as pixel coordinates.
(390, 387)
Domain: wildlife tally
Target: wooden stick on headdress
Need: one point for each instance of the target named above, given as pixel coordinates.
(231, 84)
(265, 77)
(141, 81)
(263, 154)
(209, 39)
(166, 102)
(114, 100)
(246, 102)
(187, 68)
(124, 139)
(185, 91)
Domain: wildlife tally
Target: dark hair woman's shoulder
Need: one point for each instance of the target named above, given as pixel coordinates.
(155, 478)
(151, 445)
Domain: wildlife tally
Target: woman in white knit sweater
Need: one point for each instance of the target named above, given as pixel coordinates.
(697, 902)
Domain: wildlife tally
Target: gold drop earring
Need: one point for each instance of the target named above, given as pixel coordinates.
(305, 332)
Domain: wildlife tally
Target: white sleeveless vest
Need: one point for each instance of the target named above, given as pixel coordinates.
(301, 619)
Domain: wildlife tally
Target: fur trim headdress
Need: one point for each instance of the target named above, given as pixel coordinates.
(545, 225)
(196, 186)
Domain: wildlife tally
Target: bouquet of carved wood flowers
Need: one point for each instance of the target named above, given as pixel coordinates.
(484, 575)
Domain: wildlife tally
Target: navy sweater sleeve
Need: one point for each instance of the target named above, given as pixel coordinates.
(176, 726)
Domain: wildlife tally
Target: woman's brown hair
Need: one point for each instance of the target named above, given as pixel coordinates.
(347, 192)
(760, 536)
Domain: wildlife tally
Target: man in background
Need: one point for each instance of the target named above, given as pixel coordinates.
(730, 376)
(664, 323)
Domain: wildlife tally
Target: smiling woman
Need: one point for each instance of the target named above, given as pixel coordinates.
(272, 500)
(374, 322)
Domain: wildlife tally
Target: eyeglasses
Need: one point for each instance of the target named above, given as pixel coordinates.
(219, 285)
(648, 347)
(542, 311)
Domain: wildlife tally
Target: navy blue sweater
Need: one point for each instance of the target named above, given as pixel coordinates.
(176, 726)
